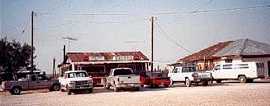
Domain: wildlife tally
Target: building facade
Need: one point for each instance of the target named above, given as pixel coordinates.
(99, 64)
(244, 50)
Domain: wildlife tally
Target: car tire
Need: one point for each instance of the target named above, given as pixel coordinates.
(187, 82)
(69, 92)
(55, 87)
(62, 90)
(115, 89)
(205, 83)
(107, 86)
(90, 90)
(137, 89)
(16, 91)
(171, 83)
(210, 83)
(218, 81)
(242, 79)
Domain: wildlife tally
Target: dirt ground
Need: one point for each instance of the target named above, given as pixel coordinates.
(250, 94)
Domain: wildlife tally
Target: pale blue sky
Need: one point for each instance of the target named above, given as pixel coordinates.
(58, 18)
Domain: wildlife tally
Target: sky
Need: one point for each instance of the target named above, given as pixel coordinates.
(181, 27)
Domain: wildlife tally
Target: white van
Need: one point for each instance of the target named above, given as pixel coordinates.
(243, 71)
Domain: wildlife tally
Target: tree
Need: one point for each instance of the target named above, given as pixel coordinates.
(14, 56)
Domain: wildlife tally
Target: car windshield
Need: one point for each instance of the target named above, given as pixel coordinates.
(122, 72)
(77, 74)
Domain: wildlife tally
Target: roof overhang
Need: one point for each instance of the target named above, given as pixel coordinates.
(255, 56)
(109, 62)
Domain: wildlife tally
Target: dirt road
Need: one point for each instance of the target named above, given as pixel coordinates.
(251, 94)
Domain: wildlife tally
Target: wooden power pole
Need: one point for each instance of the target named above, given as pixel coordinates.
(54, 71)
(64, 54)
(152, 43)
(32, 42)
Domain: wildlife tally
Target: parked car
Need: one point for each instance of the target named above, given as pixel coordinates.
(121, 78)
(31, 82)
(76, 80)
(154, 79)
(189, 75)
(243, 71)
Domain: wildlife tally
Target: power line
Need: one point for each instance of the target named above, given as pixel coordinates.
(211, 10)
(229, 9)
(126, 13)
(166, 35)
(204, 5)
(110, 14)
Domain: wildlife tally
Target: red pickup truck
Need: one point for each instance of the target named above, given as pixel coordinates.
(154, 79)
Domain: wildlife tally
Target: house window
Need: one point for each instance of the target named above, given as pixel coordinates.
(228, 60)
(260, 65)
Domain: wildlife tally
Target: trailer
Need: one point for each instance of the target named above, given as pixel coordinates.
(154, 79)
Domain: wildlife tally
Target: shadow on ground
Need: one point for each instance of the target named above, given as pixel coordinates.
(143, 89)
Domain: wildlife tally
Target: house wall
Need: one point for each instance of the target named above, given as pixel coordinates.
(208, 64)
(263, 60)
(101, 69)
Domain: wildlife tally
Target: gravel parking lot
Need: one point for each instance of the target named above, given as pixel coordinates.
(250, 94)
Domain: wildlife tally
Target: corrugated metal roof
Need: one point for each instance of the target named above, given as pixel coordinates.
(240, 47)
(205, 53)
(243, 47)
(106, 56)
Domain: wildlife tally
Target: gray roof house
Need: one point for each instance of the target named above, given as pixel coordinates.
(246, 48)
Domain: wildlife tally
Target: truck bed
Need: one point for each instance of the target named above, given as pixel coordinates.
(128, 78)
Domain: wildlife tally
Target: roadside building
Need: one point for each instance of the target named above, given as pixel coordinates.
(99, 64)
(244, 50)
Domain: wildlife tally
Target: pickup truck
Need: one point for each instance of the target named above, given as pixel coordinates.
(76, 80)
(189, 75)
(31, 82)
(120, 78)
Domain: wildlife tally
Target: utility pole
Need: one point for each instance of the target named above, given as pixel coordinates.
(152, 43)
(54, 72)
(64, 54)
(32, 42)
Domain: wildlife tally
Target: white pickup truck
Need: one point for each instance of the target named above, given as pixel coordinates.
(76, 80)
(189, 75)
(122, 78)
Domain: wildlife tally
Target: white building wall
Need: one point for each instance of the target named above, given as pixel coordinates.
(260, 60)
